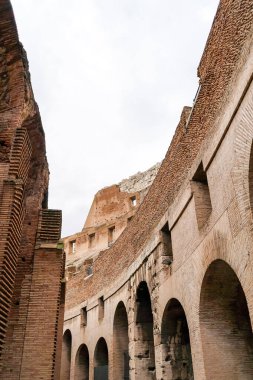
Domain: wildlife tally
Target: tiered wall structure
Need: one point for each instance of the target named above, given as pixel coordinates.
(173, 297)
(112, 209)
(31, 260)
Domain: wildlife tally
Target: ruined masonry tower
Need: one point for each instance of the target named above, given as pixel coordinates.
(31, 260)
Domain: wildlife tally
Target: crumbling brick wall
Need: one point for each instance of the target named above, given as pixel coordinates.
(26, 285)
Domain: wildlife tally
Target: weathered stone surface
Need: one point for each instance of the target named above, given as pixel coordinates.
(111, 211)
(182, 269)
(31, 262)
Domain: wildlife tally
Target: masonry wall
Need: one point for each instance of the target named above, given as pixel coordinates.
(26, 223)
(201, 298)
(111, 211)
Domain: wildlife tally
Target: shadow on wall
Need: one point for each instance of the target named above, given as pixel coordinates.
(226, 330)
(101, 360)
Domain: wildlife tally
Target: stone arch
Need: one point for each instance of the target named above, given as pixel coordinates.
(225, 326)
(66, 355)
(120, 343)
(101, 360)
(82, 363)
(144, 336)
(175, 343)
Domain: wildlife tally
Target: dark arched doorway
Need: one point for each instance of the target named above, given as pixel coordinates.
(66, 355)
(120, 344)
(82, 363)
(226, 331)
(177, 360)
(144, 338)
(101, 360)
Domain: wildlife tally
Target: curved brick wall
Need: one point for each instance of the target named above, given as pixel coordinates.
(221, 59)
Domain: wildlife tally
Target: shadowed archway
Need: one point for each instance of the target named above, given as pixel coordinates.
(144, 337)
(120, 344)
(82, 363)
(225, 325)
(101, 360)
(175, 339)
(66, 355)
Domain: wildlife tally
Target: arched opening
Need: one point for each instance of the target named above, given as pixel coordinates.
(144, 338)
(120, 344)
(175, 339)
(66, 355)
(226, 332)
(82, 363)
(101, 360)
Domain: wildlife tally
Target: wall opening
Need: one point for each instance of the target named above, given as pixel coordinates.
(44, 204)
(72, 247)
(133, 201)
(225, 325)
(111, 235)
(120, 344)
(82, 363)
(201, 193)
(101, 360)
(89, 270)
(66, 355)
(91, 240)
(167, 253)
(101, 308)
(144, 338)
(175, 343)
(83, 314)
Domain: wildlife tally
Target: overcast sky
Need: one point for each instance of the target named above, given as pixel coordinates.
(111, 78)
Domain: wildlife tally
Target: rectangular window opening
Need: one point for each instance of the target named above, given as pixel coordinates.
(72, 247)
(101, 308)
(83, 313)
(111, 235)
(201, 193)
(89, 270)
(92, 240)
(133, 201)
(167, 251)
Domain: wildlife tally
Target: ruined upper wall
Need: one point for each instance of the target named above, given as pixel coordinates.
(114, 201)
(222, 59)
(112, 209)
(139, 181)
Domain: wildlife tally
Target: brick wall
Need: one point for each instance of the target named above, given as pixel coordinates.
(27, 325)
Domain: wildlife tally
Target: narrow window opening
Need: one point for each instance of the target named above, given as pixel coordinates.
(201, 193)
(92, 240)
(89, 270)
(72, 247)
(133, 201)
(111, 235)
(101, 308)
(167, 252)
(83, 313)
(44, 204)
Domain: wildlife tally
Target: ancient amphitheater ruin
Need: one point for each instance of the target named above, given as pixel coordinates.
(159, 281)
(171, 296)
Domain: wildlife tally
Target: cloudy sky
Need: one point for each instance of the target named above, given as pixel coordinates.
(111, 78)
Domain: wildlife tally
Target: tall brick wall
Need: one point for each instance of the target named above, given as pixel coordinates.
(26, 284)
